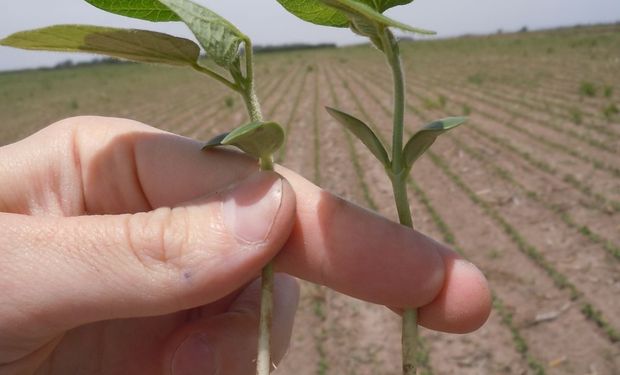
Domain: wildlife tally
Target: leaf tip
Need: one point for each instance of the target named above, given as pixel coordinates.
(6, 41)
(215, 141)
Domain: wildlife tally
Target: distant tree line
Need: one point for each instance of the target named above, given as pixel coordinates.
(291, 47)
(68, 64)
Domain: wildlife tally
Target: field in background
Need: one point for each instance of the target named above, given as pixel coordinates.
(529, 189)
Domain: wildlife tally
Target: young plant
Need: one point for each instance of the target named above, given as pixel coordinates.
(222, 42)
(610, 111)
(365, 18)
(587, 89)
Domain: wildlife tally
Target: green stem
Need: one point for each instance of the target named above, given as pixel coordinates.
(266, 163)
(248, 91)
(199, 68)
(263, 361)
(391, 50)
(410, 338)
(399, 187)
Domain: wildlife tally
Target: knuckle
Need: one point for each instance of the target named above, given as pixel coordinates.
(70, 124)
(159, 239)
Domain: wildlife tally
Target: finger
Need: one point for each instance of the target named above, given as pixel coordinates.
(359, 253)
(464, 303)
(96, 165)
(226, 343)
(62, 273)
(334, 243)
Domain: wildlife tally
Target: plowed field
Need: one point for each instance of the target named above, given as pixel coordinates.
(529, 189)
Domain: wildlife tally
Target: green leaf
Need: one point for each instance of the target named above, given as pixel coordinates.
(424, 138)
(364, 133)
(150, 10)
(259, 139)
(216, 141)
(220, 38)
(383, 5)
(341, 13)
(314, 11)
(135, 45)
(355, 9)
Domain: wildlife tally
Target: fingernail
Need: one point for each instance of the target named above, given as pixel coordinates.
(194, 357)
(250, 209)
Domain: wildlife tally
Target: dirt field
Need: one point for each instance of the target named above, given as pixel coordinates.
(529, 189)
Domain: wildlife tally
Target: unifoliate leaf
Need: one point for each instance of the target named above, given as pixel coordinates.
(150, 10)
(341, 13)
(259, 139)
(368, 28)
(354, 9)
(383, 5)
(424, 138)
(219, 38)
(134, 45)
(363, 133)
(314, 11)
(216, 141)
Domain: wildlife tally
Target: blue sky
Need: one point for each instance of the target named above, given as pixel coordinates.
(267, 23)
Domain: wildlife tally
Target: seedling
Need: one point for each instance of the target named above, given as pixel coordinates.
(610, 111)
(587, 89)
(229, 102)
(222, 42)
(576, 115)
(466, 109)
(232, 51)
(365, 18)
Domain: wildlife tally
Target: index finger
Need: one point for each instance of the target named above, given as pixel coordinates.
(334, 242)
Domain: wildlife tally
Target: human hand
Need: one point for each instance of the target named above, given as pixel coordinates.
(126, 250)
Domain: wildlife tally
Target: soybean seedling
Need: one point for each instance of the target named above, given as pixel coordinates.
(221, 41)
(365, 18)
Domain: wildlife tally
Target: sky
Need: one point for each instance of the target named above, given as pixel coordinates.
(266, 22)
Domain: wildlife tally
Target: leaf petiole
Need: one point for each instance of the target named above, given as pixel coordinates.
(216, 76)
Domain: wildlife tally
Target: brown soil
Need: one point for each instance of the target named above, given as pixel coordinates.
(480, 196)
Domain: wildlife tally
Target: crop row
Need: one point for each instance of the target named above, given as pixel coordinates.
(555, 106)
(448, 237)
(546, 98)
(604, 204)
(470, 99)
(560, 212)
(423, 354)
(561, 281)
(494, 100)
(544, 166)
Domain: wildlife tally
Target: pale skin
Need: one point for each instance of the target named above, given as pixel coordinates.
(121, 243)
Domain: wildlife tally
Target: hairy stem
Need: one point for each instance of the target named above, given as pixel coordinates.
(216, 76)
(266, 164)
(410, 339)
(263, 361)
(250, 97)
(248, 92)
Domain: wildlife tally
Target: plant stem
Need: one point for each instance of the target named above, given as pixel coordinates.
(216, 76)
(410, 339)
(266, 164)
(248, 92)
(249, 95)
(263, 361)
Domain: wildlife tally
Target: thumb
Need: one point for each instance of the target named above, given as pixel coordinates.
(66, 272)
(225, 343)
